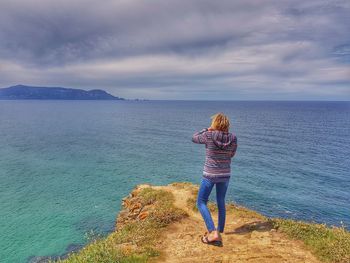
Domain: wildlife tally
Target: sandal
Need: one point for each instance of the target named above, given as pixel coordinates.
(205, 240)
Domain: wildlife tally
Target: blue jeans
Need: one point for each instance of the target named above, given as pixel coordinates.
(203, 195)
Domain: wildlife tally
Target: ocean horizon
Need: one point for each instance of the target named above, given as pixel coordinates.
(65, 165)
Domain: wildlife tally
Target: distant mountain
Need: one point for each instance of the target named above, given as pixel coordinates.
(22, 92)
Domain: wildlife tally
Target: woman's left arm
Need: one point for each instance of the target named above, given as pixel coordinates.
(234, 149)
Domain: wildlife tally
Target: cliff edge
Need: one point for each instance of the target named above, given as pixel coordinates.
(162, 224)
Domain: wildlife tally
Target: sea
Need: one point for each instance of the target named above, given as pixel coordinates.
(66, 165)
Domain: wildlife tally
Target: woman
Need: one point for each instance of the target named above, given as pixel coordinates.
(220, 147)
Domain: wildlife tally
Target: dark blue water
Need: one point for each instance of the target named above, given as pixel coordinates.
(65, 165)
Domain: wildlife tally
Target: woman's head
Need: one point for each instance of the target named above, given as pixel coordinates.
(220, 122)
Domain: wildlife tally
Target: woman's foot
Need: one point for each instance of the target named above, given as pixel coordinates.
(213, 238)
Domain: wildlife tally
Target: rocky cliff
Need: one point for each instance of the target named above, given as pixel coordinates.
(162, 224)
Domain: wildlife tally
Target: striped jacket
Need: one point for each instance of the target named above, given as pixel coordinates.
(220, 148)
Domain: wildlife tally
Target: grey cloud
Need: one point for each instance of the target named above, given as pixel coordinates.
(62, 32)
(192, 45)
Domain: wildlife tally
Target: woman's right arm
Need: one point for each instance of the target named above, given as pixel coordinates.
(200, 137)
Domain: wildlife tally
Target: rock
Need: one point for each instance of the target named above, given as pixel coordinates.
(136, 206)
(133, 209)
(143, 215)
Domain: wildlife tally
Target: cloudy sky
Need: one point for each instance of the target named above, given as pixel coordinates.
(174, 49)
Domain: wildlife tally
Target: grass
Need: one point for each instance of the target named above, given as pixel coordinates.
(328, 244)
(135, 241)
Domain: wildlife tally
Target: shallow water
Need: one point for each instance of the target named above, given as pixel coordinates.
(65, 165)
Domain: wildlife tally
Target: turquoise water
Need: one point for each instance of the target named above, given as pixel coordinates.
(65, 165)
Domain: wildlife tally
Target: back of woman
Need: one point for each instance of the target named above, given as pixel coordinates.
(221, 146)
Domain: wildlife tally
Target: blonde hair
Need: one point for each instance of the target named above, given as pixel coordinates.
(220, 122)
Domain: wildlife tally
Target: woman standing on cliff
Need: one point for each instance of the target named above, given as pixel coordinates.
(221, 146)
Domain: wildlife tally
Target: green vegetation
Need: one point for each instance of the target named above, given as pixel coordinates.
(135, 241)
(328, 244)
(192, 201)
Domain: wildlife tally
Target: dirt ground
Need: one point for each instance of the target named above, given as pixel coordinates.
(245, 239)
